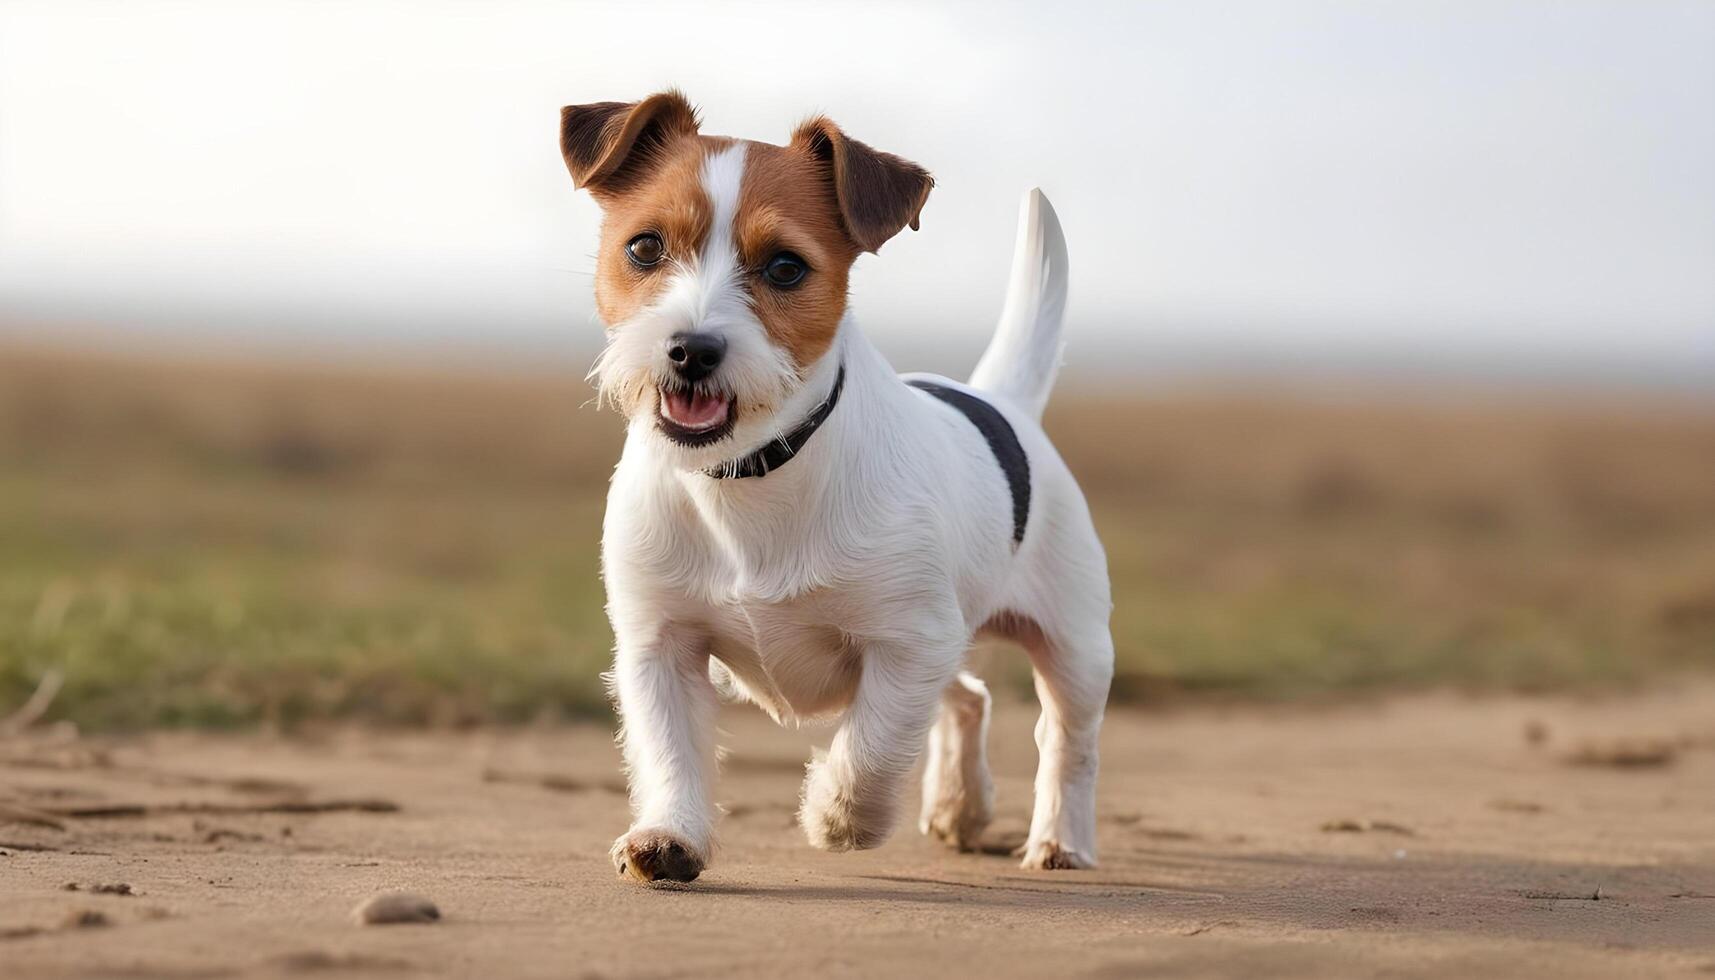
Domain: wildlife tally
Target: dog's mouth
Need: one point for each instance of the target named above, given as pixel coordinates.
(695, 416)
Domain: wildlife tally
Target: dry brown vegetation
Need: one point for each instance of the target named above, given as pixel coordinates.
(219, 543)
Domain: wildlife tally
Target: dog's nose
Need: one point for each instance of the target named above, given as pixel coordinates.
(696, 355)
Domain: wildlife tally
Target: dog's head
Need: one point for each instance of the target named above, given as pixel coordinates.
(723, 263)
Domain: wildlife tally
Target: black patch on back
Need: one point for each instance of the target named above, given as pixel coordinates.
(1003, 442)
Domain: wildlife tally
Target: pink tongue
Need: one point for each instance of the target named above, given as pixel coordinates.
(697, 411)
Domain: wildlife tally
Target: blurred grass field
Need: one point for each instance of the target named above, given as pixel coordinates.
(230, 544)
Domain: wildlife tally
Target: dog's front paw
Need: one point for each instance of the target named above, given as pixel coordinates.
(1051, 856)
(834, 817)
(656, 855)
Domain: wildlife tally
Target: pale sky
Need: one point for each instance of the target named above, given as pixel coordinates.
(1491, 180)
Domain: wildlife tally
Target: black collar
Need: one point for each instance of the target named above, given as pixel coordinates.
(776, 452)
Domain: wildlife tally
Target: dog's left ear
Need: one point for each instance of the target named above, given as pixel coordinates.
(879, 194)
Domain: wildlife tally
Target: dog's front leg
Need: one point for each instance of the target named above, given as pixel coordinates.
(851, 795)
(667, 710)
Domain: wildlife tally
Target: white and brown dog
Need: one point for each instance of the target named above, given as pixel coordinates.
(794, 524)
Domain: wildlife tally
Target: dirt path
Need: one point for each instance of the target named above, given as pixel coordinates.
(1424, 836)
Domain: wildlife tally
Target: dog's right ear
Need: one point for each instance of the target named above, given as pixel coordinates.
(609, 144)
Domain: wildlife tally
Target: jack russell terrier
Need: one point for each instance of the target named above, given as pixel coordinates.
(795, 525)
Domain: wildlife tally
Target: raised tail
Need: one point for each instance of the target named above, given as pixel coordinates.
(1024, 356)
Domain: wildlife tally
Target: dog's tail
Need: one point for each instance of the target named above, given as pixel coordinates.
(1024, 356)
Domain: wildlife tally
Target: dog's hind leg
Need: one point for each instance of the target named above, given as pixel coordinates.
(1063, 624)
(1073, 666)
(958, 795)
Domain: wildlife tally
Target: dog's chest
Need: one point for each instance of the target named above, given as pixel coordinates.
(780, 603)
(792, 658)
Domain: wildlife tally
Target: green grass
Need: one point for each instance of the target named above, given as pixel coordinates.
(213, 546)
(302, 603)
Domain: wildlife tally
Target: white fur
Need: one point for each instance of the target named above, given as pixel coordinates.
(850, 581)
(1024, 356)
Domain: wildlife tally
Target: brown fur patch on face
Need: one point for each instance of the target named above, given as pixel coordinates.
(669, 201)
(787, 204)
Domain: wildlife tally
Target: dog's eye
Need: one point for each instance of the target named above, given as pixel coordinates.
(646, 250)
(785, 270)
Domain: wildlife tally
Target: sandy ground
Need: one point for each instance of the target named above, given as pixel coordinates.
(1425, 836)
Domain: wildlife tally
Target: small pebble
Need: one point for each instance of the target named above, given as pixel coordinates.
(1535, 732)
(117, 888)
(1626, 753)
(86, 919)
(393, 907)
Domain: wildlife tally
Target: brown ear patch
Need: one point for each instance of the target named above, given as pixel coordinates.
(879, 194)
(608, 145)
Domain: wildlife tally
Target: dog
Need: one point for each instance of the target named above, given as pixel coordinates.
(795, 525)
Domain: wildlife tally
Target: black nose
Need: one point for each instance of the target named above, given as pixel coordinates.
(696, 355)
